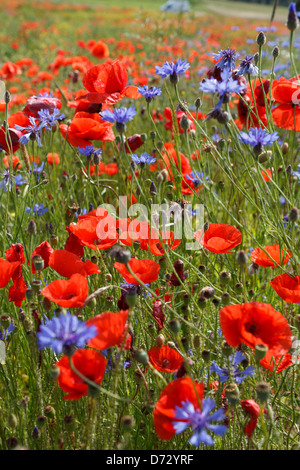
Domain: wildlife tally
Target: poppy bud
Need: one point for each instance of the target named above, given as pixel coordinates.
(226, 349)
(294, 214)
(197, 103)
(261, 39)
(12, 420)
(178, 266)
(141, 356)
(32, 227)
(174, 325)
(184, 123)
(285, 148)
(184, 367)
(263, 390)
(260, 351)
(160, 340)
(232, 394)
(205, 355)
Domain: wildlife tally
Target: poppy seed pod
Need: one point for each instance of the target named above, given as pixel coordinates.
(263, 390)
(141, 356)
(174, 325)
(205, 355)
(260, 351)
(226, 349)
(38, 263)
(225, 277)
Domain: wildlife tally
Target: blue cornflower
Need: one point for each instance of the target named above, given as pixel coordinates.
(37, 209)
(149, 93)
(49, 119)
(33, 131)
(247, 67)
(200, 421)
(258, 138)
(64, 333)
(8, 180)
(238, 375)
(228, 58)
(223, 88)
(143, 159)
(89, 151)
(197, 177)
(8, 331)
(120, 116)
(292, 21)
(37, 170)
(172, 69)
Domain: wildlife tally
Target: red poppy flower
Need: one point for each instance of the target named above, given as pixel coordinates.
(219, 238)
(99, 50)
(16, 253)
(164, 358)
(145, 269)
(97, 232)
(158, 313)
(281, 362)
(10, 144)
(281, 257)
(253, 410)
(107, 82)
(15, 161)
(286, 93)
(256, 323)
(36, 103)
(157, 249)
(17, 292)
(53, 159)
(247, 112)
(74, 245)
(71, 293)
(133, 143)
(287, 287)
(7, 270)
(86, 127)
(44, 250)
(267, 174)
(111, 330)
(66, 264)
(89, 363)
(173, 394)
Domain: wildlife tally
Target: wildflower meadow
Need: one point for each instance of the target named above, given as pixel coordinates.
(150, 237)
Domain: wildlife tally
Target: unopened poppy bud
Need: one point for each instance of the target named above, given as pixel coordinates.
(276, 52)
(160, 340)
(174, 325)
(294, 214)
(54, 371)
(261, 39)
(260, 351)
(225, 298)
(263, 390)
(226, 349)
(225, 277)
(197, 341)
(232, 394)
(49, 411)
(127, 422)
(32, 227)
(207, 292)
(141, 356)
(12, 420)
(297, 322)
(242, 258)
(152, 189)
(201, 302)
(164, 173)
(144, 137)
(205, 355)
(171, 344)
(38, 263)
